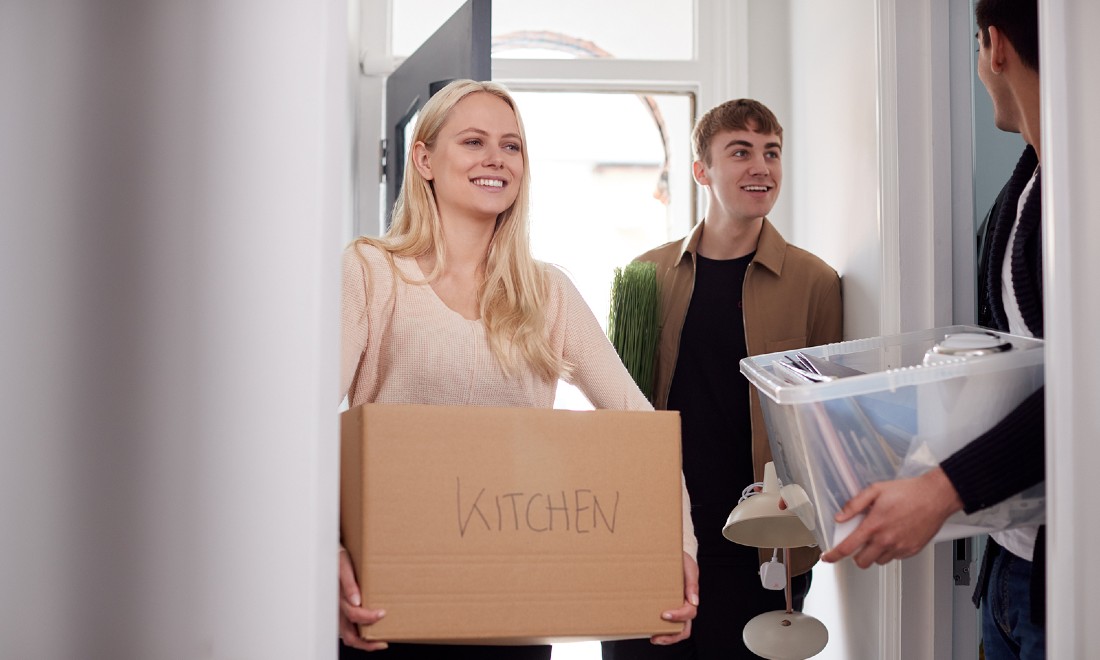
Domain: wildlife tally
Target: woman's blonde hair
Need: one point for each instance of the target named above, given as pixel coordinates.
(514, 291)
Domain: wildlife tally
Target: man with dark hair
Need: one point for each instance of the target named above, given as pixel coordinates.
(732, 288)
(903, 515)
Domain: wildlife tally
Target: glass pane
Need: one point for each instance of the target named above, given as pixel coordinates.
(415, 20)
(624, 29)
(605, 187)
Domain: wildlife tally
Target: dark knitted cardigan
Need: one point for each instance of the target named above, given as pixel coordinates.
(1010, 456)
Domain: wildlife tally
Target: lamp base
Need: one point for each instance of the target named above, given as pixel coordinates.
(780, 635)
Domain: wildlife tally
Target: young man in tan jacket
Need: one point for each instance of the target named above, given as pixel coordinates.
(731, 288)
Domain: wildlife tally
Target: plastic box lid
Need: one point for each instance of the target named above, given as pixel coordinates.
(888, 363)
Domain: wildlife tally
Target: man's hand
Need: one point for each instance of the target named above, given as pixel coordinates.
(902, 516)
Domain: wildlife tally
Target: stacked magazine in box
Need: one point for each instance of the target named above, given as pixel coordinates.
(842, 416)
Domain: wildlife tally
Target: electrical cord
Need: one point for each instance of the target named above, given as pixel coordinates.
(750, 490)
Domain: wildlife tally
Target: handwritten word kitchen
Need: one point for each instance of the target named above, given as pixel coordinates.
(577, 510)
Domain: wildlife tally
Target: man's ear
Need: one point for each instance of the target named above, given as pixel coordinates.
(422, 160)
(997, 52)
(699, 171)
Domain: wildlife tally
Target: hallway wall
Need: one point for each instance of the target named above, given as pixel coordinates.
(173, 182)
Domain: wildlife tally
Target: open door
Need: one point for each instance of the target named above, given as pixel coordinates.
(460, 48)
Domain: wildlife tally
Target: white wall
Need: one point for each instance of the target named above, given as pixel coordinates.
(173, 182)
(815, 65)
(375, 64)
(834, 149)
(869, 174)
(766, 67)
(836, 215)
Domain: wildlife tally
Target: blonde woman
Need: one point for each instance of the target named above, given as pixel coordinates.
(450, 308)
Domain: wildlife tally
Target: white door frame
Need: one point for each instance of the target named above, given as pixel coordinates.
(1071, 208)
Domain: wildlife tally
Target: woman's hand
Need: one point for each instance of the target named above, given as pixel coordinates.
(352, 614)
(690, 607)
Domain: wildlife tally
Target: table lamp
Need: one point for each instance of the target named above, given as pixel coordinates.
(758, 521)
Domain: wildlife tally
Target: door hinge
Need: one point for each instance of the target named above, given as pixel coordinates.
(382, 154)
(962, 557)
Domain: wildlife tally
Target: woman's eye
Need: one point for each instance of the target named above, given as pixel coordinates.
(512, 147)
(473, 142)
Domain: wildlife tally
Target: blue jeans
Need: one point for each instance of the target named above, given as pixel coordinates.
(1008, 632)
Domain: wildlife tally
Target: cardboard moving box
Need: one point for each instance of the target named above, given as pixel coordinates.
(513, 525)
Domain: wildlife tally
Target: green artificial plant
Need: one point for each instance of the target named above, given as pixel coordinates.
(632, 325)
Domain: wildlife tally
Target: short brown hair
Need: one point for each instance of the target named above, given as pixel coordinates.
(735, 115)
(1018, 20)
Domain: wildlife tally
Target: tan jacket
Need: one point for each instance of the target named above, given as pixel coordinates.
(791, 300)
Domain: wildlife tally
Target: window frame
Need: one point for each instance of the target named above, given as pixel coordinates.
(717, 71)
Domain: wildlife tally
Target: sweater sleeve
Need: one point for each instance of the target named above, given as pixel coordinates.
(1004, 460)
(353, 322)
(362, 267)
(595, 366)
(599, 373)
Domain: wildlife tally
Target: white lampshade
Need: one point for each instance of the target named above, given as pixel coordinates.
(759, 522)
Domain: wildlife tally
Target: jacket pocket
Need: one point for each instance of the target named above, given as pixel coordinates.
(777, 345)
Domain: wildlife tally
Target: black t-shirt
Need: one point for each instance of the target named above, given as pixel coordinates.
(713, 399)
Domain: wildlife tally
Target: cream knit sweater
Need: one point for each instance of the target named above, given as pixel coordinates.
(402, 344)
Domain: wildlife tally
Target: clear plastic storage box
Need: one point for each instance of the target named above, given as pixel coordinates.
(891, 407)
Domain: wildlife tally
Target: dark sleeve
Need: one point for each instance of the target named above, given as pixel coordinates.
(1004, 460)
(985, 239)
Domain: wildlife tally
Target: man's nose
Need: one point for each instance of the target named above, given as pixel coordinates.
(760, 166)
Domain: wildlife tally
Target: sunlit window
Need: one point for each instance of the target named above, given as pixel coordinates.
(628, 29)
(611, 178)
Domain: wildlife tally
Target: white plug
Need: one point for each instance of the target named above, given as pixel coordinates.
(773, 575)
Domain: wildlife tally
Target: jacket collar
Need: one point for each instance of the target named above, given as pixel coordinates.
(770, 247)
